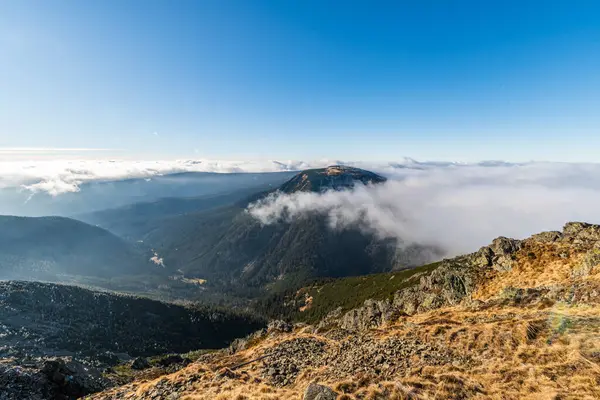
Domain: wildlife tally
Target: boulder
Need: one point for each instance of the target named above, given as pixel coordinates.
(173, 359)
(373, 313)
(319, 392)
(503, 250)
(279, 326)
(237, 345)
(140, 363)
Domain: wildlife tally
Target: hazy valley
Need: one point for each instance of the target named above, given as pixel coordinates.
(255, 292)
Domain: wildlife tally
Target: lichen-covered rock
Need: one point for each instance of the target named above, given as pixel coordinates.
(574, 228)
(581, 234)
(244, 343)
(373, 313)
(319, 392)
(590, 260)
(503, 250)
(546, 237)
(278, 326)
(449, 284)
(330, 319)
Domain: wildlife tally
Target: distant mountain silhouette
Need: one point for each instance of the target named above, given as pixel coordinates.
(48, 247)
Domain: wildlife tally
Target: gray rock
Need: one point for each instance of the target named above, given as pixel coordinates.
(319, 392)
(48, 378)
(373, 313)
(243, 343)
(590, 260)
(503, 250)
(279, 326)
(581, 235)
(574, 228)
(140, 363)
(546, 237)
(238, 345)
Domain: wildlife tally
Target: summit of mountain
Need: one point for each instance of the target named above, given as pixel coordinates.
(334, 177)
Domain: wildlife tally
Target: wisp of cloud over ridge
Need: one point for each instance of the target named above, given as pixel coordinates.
(458, 208)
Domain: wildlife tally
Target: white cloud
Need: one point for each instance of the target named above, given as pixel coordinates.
(64, 176)
(457, 207)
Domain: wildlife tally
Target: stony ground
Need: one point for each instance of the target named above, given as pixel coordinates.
(453, 353)
(516, 320)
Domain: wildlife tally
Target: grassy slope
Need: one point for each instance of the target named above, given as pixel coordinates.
(351, 292)
(539, 345)
(324, 296)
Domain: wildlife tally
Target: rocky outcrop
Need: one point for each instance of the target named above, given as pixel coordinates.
(372, 314)
(546, 237)
(499, 255)
(279, 326)
(319, 392)
(590, 260)
(455, 280)
(140, 363)
(273, 328)
(581, 234)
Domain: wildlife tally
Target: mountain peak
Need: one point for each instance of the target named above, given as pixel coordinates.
(334, 177)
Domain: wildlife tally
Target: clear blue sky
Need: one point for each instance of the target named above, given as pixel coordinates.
(368, 80)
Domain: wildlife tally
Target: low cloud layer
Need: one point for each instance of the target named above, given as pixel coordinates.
(59, 176)
(457, 207)
(56, 177)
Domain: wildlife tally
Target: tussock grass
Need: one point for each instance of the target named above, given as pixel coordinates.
(502, 349)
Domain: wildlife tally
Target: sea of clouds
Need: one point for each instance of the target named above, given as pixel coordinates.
(458, 207)
(453, 205)
(59, 176)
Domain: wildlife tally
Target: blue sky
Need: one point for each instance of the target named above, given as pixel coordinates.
(376, 80)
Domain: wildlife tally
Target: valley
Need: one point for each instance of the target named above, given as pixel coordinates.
(464, 329)
(195, 298)
(299, 200)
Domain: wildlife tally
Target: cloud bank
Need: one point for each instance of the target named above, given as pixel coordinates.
(457, 207)
(56, 177)
(453, 205)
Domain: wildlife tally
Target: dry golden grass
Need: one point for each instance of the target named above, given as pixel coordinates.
(538, 265)
(517, 353)
(542, 350)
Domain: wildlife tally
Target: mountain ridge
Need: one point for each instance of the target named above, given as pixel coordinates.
(516, 319)
(232, 250)
(334, 177)
(46, 247)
